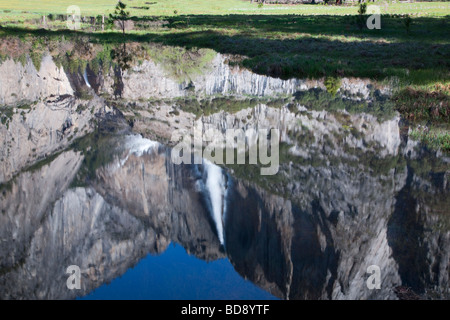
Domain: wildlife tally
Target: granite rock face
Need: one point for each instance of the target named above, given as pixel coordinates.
(42, 114)
(105, 234)
(150, 80)
(323, 239)
(319, 240)
(350, 191)
(25, 204)
(315, 243)
(24, 83)
(45, 109)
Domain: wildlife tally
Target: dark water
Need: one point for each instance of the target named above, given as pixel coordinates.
(177, 275)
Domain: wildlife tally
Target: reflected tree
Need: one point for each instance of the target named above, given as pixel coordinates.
(123, 59)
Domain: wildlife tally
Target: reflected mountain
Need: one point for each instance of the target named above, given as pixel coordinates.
(140, 202)
(87, 176)
(104, 235)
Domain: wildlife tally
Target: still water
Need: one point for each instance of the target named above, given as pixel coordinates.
(87, 179)
(177, 275)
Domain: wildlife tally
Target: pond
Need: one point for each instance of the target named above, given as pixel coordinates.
(89, 178)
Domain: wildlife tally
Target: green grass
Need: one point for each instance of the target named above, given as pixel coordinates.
(419, 105)
(316, 99)
(6, 114)
(322, 41)
(285, 41)
(302, 46)
(429, 107)
(177, 65)
(23, 9)
(433, 138)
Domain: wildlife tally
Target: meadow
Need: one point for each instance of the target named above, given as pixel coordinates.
(411, 51)
(28, 9)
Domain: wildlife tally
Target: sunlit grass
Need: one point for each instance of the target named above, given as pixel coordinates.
(285, 41)
(21, 10)
(433, 138)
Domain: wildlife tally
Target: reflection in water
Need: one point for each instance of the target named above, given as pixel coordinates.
(86, 78)
(137, 146)
(352, 190)
(140, 203)
(176, 275)
(215, 188)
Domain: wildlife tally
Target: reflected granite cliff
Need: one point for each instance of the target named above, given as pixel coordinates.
(315, 244)
(135, 207)
(87, 177)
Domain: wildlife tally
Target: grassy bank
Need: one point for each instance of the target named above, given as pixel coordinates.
(284, 41)
(324, 41)
(302, 47)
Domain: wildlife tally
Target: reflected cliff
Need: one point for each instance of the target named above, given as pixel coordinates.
(87, 179)
(314, 244)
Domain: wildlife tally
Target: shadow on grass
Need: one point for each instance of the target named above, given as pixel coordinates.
(301, 46)
(428, 29)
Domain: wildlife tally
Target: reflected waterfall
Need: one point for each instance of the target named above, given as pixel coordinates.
(215, 187)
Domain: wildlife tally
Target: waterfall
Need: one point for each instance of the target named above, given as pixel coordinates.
(211, 181)
(215, 185)
(137, 145)
(85, 77)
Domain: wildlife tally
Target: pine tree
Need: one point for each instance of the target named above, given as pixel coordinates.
(120, 15)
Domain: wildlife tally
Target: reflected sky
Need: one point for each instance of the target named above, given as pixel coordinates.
(177, 275)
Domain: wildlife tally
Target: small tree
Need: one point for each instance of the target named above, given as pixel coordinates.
(361, 18)
(120, 15)
(362, 9)
(407, 23)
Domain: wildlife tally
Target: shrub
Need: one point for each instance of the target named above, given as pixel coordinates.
(362, 9)
(360, 19)
(332, 84)
(407, 23)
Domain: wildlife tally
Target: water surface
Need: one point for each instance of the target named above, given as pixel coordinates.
(87, 179)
